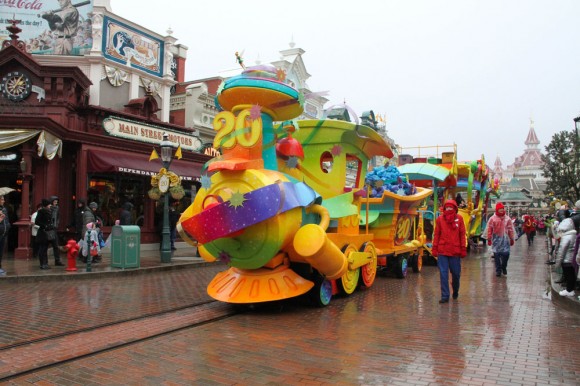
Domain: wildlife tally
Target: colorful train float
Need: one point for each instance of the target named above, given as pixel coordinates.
(448, 179)
(277, 206)
(392, 214)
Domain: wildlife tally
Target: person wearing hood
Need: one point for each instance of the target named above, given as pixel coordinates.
(55, 215)
(90, 216)
(77, 221)
(563, 212)
(449, 245)
(89, 245)
(125, 215)
(500, 236)
(529, 228)
(566, 254)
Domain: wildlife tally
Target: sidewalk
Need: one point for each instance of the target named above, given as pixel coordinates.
(23, 270)
(571, 304)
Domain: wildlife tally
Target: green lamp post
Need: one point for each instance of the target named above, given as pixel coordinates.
(166, 157)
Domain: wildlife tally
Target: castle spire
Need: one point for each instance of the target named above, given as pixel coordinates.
(532, 139)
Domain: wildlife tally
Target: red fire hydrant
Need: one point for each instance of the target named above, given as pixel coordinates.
(72, 250)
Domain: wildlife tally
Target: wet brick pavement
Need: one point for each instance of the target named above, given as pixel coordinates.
(500, 331)
(38, 304)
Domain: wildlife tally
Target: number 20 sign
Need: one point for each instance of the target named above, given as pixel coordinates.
(403, 229)
(240, 130)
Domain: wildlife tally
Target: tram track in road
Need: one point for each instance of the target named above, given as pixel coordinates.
(24, 357)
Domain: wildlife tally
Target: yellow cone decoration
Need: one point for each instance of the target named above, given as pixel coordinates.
(153, 155)
(178, 152)
(454, 167)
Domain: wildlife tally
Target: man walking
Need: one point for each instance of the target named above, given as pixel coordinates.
(450, 246)
(500, 236)
(55, 216)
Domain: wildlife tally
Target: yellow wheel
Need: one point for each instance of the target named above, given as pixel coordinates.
(349, 281)
(369, 271)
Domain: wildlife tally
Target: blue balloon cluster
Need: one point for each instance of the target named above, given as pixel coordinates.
(393, 181)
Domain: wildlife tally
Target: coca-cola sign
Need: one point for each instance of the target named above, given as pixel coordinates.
(22, 4)
(50, 27)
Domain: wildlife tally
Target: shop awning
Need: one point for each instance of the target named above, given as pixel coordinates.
(109, 161)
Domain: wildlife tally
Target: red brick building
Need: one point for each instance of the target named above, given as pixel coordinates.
(55, 140)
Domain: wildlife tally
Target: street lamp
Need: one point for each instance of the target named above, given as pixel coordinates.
(166, 157)
(577, 133)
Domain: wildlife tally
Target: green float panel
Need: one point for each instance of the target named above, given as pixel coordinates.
(126, 246)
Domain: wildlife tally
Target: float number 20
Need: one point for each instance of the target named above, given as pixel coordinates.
(232, 130)
(402, 231)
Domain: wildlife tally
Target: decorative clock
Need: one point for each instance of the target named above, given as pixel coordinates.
(16, 86)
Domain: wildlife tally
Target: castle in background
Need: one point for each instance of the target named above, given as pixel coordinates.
(523, 182)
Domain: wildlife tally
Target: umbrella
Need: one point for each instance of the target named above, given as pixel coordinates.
(5, 190)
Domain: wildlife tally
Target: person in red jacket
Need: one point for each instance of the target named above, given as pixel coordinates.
(529, 227)
(449, 245)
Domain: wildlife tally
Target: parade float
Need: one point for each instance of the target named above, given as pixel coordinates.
(276, 206)
(392, 214)
(448, 179)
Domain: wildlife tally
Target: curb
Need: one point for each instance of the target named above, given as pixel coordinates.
(570, 304)
(66, 276)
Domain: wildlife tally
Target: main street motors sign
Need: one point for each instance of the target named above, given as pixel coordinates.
(151, 134)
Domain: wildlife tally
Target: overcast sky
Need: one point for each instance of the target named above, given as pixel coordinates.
(449, 71)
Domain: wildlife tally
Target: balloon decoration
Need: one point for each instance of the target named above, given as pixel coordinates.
(175, 188)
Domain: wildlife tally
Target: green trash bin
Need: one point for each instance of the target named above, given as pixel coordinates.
(126, 246)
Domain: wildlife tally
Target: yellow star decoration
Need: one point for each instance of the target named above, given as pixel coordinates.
(237, 199)
(280, 74)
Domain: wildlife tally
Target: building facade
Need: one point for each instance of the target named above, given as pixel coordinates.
(82, 125)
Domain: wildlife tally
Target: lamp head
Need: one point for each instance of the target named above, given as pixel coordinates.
(166, 149)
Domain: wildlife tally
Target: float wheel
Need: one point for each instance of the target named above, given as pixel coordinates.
(417, 263)
(348, 282)
(321, 293)
(401, 267)
(368, 271)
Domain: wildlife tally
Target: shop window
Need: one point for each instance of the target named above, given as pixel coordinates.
(111, 192)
